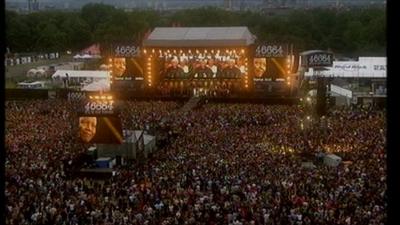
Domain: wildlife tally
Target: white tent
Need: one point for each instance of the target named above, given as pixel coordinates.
(86, 56)
(103, 67)
(31, 73)
(77, 56)
(32, 85)
(40, 73)
(99, 74)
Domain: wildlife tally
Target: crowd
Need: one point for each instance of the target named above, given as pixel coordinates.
(229, 164)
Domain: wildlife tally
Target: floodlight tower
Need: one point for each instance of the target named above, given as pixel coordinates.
(29, 5)
(228, 4)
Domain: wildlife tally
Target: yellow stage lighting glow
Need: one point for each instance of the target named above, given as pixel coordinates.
(152, 50)
(109, 97)
(242, 51)
(144, 51)
(96, 97)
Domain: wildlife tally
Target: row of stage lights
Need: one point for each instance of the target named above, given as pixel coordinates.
(149, 71)
(189, 51)
(101, 97)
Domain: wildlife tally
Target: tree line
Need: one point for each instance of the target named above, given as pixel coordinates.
(356, 31)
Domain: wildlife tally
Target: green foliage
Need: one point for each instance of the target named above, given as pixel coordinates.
(356, 31)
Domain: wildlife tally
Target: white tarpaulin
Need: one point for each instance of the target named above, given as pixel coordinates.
(101, 85)
(373, 67)
(101, 74)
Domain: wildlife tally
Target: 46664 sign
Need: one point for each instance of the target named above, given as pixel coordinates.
(126, 50)
(320, 59)
(101, 108)
(271, 51)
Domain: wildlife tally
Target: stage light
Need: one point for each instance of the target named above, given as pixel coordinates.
(90, 97)
(246, 86)
(301, 99)
(96, 97)
(110, 60)
(174, 51)
(308, 117)
(242, 50)
(205, 50)
(152, 50)
(308, 99)
(102, 97)
(109, 97)
(144, 51)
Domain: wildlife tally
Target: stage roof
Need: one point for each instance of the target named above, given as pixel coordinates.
(199, 37)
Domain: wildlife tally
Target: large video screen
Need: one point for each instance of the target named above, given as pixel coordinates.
(270, 68)
(227, 65)
(127, 68)
(100, 129)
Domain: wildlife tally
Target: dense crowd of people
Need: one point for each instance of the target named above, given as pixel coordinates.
(229, 164)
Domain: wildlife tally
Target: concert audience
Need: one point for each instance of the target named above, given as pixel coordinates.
(229, 164)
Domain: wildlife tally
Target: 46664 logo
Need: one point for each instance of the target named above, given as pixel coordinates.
(270, 50)
(320, 59)
(127, 50)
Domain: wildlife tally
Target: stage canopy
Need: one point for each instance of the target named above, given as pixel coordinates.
(199, 37)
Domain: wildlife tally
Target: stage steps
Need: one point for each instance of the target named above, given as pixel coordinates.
(192, 103)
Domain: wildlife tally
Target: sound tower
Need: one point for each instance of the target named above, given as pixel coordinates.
(321, 96)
